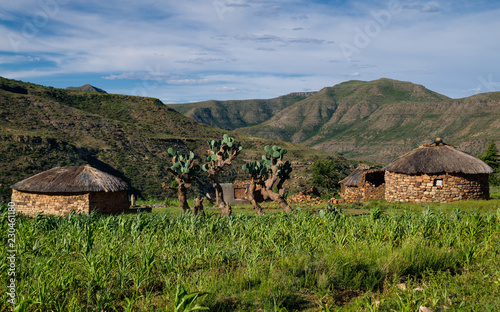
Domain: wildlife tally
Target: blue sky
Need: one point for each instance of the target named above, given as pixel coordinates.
(195, 50)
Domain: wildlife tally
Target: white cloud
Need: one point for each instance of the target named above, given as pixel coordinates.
(252, 47)
(271, 38)
(160, 77)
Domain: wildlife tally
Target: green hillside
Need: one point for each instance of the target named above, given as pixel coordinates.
(43, 127)
(87, 87)
(382, 119)
(229, 115)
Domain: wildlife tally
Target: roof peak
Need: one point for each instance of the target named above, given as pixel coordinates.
(437, 142)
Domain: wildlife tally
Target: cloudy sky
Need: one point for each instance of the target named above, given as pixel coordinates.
(195, 50)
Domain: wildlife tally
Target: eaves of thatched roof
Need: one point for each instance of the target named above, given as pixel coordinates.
(441, 158)
(354, 178)
(73, 179)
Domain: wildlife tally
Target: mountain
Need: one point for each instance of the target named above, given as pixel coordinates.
(128, 136)
(230, 115)
(380, 120)
(86, 87)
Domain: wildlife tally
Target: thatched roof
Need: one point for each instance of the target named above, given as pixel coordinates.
(438, 158)
(71, 179)
(355, 177)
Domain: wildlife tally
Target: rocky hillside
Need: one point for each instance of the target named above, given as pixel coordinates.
(382, 119)
(230, 115)
(128, 136)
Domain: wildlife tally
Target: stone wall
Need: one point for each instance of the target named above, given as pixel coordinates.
(374, 192)
(32, 204)
(371, 186)
(61, 204)
(362, 193)
(435, 188)
(109, 202)
(351, 193)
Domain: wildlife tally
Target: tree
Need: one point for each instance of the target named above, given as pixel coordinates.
(271, 171)
(491, 158)
(326, 174)
(220, 154)
(183, 169)
(258, 172)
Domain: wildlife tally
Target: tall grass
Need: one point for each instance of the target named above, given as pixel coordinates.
(397, 260)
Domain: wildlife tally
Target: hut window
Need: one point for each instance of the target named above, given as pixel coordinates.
(438, 182)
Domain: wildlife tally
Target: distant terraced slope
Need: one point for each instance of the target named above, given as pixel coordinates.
(382, 119)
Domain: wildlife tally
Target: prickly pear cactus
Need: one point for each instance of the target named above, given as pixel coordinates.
(284, 170)
(183, 169)
(276, 152)
(256, 169)
(182, 164)
(220, 153)
(266, 172)
(274, 156)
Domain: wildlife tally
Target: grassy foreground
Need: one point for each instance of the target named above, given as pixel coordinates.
(394, 261)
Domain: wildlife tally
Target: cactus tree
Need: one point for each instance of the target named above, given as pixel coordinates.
(183, 169)
(271, 171)
(258, 172)
(220, 153)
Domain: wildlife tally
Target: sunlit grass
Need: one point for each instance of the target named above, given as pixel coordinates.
(495, 192)
(298, 262)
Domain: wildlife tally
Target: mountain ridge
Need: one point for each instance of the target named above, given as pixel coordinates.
(127, 136)
(229, 115)
(382, 119)
(86, 87)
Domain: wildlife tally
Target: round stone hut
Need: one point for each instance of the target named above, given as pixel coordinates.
(61, 190)
(436, 172)
(363, 184)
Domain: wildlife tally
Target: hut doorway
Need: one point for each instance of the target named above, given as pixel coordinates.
(376, 178)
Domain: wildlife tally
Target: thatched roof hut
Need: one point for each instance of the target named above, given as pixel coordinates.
(363, 184)
(436, 172)
(62, 189)
(431, 159)
(72, 179)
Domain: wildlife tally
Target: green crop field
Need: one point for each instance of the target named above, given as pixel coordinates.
(372, 257)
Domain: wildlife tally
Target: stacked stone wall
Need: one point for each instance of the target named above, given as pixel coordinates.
(424, 188)
(32, 204)
(366, 189)
(362, 193)
(61, 204)
(374, 192)
(351, 193)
